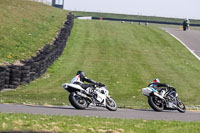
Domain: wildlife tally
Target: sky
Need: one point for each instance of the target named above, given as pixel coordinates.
(163, 8)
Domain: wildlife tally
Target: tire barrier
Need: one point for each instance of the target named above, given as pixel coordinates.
(25, 71)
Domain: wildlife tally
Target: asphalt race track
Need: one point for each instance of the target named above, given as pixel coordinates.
(189, 38)
(102, 112)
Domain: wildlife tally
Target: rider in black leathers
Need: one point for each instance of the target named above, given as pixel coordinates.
(81, 77)
(158, 86)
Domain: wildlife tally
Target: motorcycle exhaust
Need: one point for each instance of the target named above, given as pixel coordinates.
(158, 95)
(85, 96)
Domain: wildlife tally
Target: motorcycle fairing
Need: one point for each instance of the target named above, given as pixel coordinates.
(71, 87)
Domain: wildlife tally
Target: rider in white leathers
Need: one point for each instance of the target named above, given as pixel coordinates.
(81, 77)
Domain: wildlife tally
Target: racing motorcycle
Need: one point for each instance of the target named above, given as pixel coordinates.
(165, 99)
(97, 95)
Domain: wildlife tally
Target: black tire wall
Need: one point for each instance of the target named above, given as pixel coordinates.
(25, 71)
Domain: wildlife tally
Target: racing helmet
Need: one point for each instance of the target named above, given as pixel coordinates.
(82, 74)
(156, 80)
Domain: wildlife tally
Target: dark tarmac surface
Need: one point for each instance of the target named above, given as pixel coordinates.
(102, 112)
(190, 38)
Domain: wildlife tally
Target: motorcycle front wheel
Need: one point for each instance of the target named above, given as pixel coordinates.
(156, 103)
(180, 106)
(78, 101)
(111, 104)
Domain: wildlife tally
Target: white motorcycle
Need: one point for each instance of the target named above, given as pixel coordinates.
(97, 95)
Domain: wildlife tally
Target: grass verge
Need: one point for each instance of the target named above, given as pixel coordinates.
(71, 124)
(25, 27)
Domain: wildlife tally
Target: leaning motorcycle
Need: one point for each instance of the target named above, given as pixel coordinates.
(166, 99)
(97, 95)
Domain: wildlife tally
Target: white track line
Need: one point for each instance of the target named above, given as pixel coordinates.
(184, 45)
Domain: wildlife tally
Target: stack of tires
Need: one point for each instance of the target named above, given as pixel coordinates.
(15, 76)
(7, 77)
(28, 70)
(2, 77)
(25, 74)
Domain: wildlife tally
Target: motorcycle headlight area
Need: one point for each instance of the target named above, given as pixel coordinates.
(64, 85)
(103, 90)
(146, 91)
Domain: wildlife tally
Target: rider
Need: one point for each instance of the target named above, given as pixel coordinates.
(158, 86)
(81, 77)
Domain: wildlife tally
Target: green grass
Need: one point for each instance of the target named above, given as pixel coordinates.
(125, 57)
(67, 124)
(25, 27)
(135, 17)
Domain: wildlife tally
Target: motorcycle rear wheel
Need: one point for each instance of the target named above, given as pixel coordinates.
(77, 101)
(180, 106)
(111, 105)
(156, 103)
